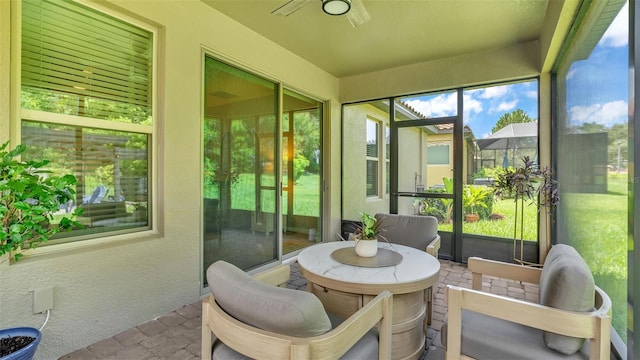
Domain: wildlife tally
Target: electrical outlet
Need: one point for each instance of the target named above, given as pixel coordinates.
(42, 300)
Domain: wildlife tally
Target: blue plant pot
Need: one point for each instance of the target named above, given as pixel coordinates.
(27, 352)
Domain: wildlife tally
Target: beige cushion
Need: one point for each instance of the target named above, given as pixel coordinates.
(281, 310)
(486, 337)
(410, 230)
(566, 283)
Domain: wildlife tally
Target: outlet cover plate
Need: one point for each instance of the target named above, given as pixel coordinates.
(42, 300)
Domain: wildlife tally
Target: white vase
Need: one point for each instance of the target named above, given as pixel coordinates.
(366, 248)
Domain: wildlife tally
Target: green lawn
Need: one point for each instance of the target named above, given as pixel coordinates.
(505, 226)
(598, 227)
(306, 194)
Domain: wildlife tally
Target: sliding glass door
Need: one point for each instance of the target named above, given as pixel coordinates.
(301, 171)
(239, 170)
(262, 163)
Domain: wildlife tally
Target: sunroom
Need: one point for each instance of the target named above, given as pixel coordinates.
(225, 130)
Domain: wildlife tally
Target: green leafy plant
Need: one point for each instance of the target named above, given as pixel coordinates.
(473, 196)
(424, 207)
(29, 196)
(369, 228)
(529, 183)
(447, 203)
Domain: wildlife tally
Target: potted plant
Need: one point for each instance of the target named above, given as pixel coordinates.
(366, 236)
(532, 184)
(473, 196)
(29, 196)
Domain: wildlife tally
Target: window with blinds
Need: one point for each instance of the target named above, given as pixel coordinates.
(80, 62)
(80, 67)
(373, 160)
(438, 153)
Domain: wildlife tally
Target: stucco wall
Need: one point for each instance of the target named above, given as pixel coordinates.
(435, 173)
(412, 161)
(354, 196)
(106, 287)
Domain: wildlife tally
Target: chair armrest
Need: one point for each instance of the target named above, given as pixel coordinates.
(277, 276)
(592, 325)
(262, 344)
(433, 247)
(338, 341)
(479, 267)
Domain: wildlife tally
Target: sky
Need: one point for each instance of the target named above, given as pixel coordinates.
(597, 87)
(597, 90)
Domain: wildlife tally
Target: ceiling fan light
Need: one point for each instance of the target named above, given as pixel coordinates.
(336, 7)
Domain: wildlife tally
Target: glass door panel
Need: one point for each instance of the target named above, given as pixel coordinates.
(425, 176)
(426, 149)
(501, 129)
(301, 171)
(239, 135)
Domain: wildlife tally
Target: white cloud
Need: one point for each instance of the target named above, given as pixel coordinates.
(571, 73)
(441, 105)
(505, 106)
(471, 104)
(605, 114)
(617, 34)
(495, 92)
(532, 94)
(471, 107)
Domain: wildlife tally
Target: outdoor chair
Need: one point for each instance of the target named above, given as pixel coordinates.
(571, 321)
(420, 232)
(249, 317)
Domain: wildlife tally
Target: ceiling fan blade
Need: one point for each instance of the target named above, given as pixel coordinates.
(358, 14)
(290, 7)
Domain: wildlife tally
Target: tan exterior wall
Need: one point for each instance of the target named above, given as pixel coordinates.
(354, 198)
(436, 173)
(412, 164)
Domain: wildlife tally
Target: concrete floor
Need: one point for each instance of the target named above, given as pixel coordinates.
(177, 335)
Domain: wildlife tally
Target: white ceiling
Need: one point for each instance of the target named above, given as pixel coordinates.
(400, 32)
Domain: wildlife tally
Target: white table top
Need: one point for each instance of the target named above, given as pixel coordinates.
(416, 267)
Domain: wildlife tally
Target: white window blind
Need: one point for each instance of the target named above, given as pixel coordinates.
(81, 62)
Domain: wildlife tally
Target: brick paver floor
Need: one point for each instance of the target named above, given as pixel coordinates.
(177, 335)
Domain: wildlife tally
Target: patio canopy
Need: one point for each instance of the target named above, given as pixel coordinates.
(512, 136)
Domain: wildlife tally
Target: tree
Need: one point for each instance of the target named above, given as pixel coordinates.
(514, 117)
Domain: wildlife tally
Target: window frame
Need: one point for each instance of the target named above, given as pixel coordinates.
(368, 158)
(446, 144)
(18, 115)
